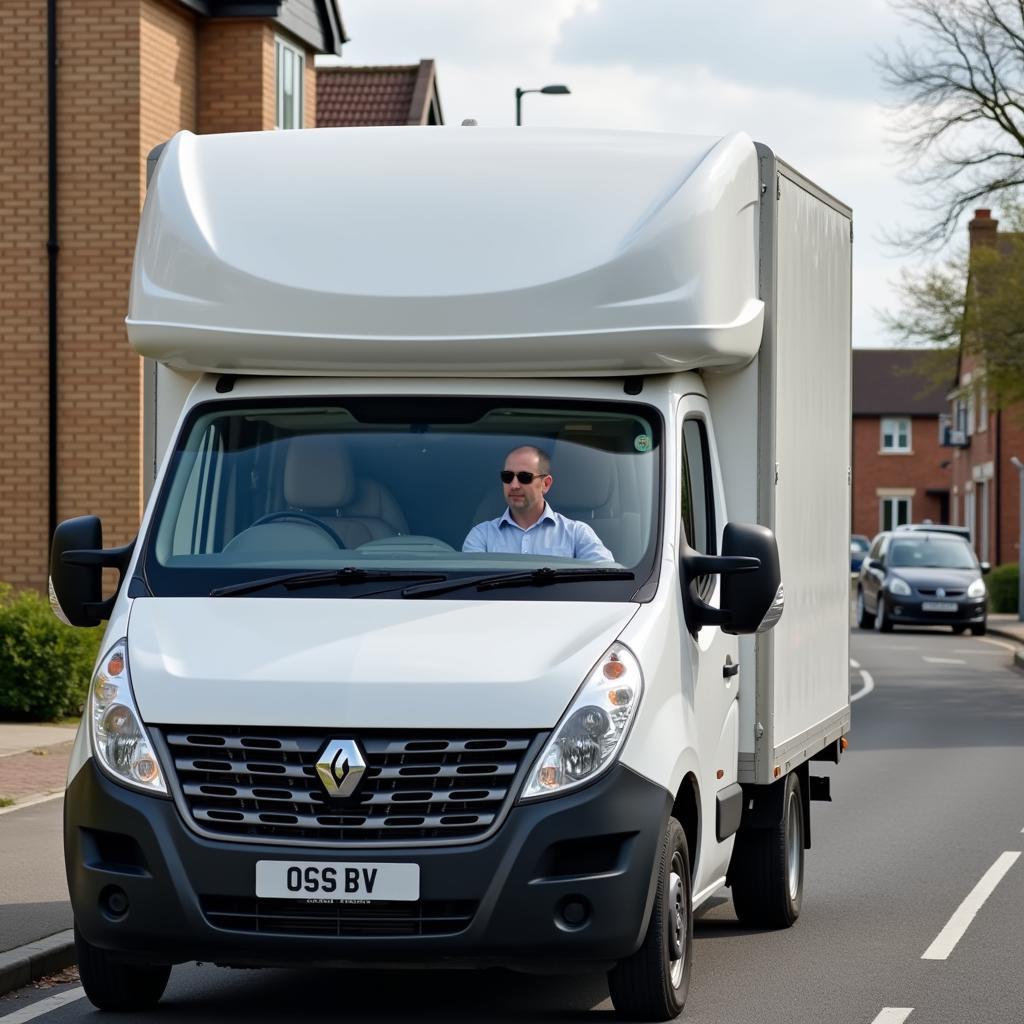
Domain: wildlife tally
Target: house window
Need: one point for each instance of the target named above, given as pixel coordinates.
(895, 512)
(896, 435)
(290, 75)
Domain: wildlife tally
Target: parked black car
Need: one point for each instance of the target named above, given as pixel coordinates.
(960, 531)
(919, 578)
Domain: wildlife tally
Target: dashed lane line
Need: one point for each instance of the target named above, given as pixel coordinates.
(893, 1015)
(28, 1013)
(962, 917)
(943, 661)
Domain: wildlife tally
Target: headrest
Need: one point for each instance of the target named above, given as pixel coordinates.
(582, 477)
(317, 472)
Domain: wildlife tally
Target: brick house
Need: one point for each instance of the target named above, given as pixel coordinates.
(91, 86)
(348, 97)
(901, 471)
(985, 485)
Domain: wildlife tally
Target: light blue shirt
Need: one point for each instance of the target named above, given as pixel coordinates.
(552, 534)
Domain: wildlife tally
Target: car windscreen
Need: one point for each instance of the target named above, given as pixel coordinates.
(931, 553)
(378, 487)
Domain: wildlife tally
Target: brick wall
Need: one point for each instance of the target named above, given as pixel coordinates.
(99, 403)
(917, 472)
(235, 55)
(24, 540)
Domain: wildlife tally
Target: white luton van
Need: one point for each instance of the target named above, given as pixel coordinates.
(490, 605)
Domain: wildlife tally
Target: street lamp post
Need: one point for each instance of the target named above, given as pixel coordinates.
(1020, 544)
(549, 90)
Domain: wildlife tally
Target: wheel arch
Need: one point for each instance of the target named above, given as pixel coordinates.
(686, 810)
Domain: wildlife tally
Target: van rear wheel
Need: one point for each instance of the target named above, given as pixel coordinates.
(112, 984)
(767, 869)
(653, 982)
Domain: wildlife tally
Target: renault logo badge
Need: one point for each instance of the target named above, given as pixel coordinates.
(340, 767)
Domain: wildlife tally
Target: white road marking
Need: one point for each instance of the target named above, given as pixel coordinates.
(31, 803)
(947, 939)
(28, 1013)
(869, 685)
(854, 664)
(1000, 643)
(945, 661)
(990, 654)
(893, 1015)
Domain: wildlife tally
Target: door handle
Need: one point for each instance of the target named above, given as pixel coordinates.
(730, 668)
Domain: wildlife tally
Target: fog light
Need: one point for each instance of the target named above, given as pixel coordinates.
(114, 901)
(574, 912)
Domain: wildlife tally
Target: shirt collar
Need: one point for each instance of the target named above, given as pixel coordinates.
(548, 514)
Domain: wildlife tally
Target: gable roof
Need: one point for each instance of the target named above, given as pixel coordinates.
(349, 97)
(895, 382)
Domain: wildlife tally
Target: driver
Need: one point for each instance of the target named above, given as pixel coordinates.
(530, 526)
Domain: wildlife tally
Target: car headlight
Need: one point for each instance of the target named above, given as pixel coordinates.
(119, 739)
(590, 734)
(899, 587)
(976, 589)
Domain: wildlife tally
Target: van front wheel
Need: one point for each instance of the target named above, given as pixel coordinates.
(653, 982)
(112, 984)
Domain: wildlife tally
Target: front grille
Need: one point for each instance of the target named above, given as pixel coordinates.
(296, 917)
(931, 592)
(262, 784)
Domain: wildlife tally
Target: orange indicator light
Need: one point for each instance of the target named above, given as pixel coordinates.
(549, 776)
(620, 697)
(116, 665)
(778, 771)
(843, 743)
(720, 774)
(613, 668)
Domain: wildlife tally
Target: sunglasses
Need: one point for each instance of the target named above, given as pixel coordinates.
(507, 476)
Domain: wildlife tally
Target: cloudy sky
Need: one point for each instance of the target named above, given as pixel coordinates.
(795, 74)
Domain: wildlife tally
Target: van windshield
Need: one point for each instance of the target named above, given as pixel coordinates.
(389, 496)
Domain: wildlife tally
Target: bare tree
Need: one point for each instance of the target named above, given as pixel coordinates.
(959, 93)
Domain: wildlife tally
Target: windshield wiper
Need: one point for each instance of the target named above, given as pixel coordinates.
(529, 578)
(321, 578)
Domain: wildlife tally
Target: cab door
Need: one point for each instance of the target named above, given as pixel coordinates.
(711, 656)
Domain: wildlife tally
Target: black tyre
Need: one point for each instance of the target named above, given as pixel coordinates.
(653, 982)
(864, 619)
(882, 621)
(980, 629)
(957, 630)
(113, 985)
(767, 869)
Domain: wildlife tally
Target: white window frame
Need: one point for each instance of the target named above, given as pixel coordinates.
(894, 520)
(891, 425)
(287, 55)
(982, 408)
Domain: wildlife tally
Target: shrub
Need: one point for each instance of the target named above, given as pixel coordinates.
(45, 666)
(1002, 583)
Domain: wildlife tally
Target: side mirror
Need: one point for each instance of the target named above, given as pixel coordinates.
(986, 567)
(751, 596)
(77, 561)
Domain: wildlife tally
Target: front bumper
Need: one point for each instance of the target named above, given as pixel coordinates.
(500, 901)
(910, 611)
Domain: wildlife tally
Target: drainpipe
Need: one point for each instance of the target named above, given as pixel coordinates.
(52, 246)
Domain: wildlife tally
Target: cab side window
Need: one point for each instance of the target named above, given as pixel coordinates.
(697, 499)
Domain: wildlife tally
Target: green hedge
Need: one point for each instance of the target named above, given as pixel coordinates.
(45, 666)
(1002, 583)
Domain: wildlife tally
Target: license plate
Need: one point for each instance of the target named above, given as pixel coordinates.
(938, 606)
(337, 882)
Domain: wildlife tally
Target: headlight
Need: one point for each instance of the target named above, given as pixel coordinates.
(900, 587)
(119, 738)
(588, 738)
(976, 589)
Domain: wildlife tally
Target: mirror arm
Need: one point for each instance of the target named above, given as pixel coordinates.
(707, 565)
(110, 558)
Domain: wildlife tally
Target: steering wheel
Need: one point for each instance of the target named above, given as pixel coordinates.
(302, 517)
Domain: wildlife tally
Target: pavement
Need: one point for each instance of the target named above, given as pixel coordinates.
(33, 770)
